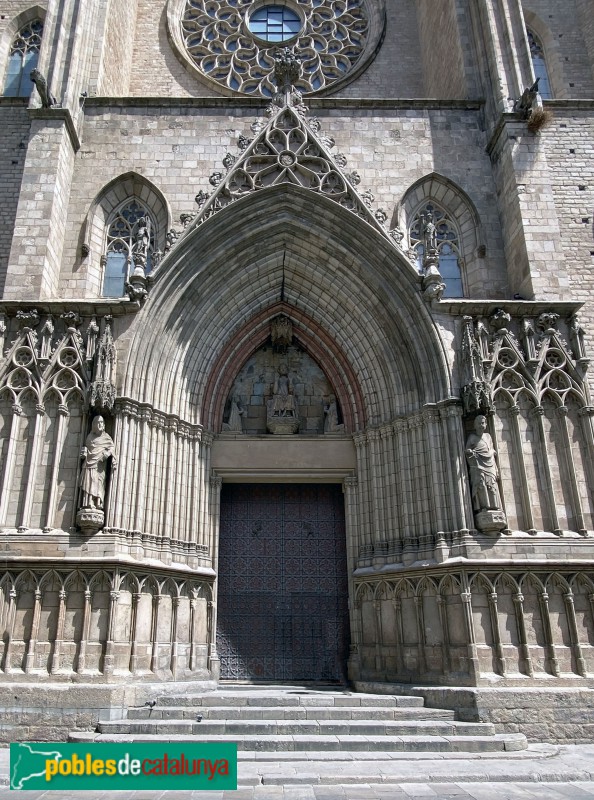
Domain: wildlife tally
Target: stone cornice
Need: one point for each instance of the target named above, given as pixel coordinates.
(351, 104)
(96, 307)
(517, 308)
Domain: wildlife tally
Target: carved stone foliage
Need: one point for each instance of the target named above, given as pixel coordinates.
(475, 626)
(331, 40)
(526, 374)
(45, 389)
(103, 623)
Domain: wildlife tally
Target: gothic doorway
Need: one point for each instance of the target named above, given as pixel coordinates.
(282, 596)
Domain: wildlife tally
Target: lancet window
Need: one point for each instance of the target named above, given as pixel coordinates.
(540, 65)
(130, 229)
(23, 58)
(448, 245)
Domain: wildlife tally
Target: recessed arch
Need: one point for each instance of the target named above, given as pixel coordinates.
(315, 341)
(460, 208)
(326, 265)
(125, 187)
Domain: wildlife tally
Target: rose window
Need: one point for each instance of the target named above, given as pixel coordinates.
(233, 42)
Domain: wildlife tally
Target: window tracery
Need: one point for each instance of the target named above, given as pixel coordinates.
(447, 245)
(23, 58)
(233, 43)
(130, 228)
(540, 65)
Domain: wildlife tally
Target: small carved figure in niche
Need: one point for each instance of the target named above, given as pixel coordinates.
(481, 457)
(142, 241)
(283, 395)
(98, 449)
(235, 422)
(282, 412)
(429, 233)
(331, 424)
(47, 331)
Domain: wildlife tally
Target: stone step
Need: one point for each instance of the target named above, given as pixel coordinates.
(167, 711)
(241, 728)
(291, 743)
(306, 699)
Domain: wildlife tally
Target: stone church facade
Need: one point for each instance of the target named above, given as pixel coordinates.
(296, 307)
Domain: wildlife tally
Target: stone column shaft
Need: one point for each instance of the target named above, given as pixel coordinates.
(32, 643)
(494, 614)
(521, 465)
(10, 626)
(473, 662)
(546, 618)
(421, 635)
(7, 481)
(573, 631)
(63, 415)
(538, 413)
(55, 666)
(133, 665)
(521, 626)
(31, 479)
(155, 632)
(82, 651)
(574, 491)
(445, 647)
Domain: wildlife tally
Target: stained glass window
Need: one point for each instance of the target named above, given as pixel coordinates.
(448, 246)
(275, 23)
(23, 58)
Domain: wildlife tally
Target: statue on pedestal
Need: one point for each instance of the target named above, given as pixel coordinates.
(282, 412)
(98, 450)
(482, 463)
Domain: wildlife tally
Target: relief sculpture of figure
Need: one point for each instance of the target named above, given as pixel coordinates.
(331, 424)
(235, 422)
(482, 463)
(98, 449)
(283, 398)
(282, 412)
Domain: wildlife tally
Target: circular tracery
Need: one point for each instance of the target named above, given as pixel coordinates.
(233, 41)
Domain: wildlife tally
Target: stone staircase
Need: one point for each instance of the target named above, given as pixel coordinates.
(300, 719)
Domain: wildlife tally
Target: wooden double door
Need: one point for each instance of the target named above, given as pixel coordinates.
(282, 590)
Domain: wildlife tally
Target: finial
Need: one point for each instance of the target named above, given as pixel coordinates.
(287, 70)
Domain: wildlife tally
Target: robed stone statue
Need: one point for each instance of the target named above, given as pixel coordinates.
(98, 451)
(484, 474)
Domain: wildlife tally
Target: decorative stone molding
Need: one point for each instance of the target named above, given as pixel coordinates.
(520, 355)
(92, 590)
(540, 605)
(102, 389)
(288, 149)
(127, 407)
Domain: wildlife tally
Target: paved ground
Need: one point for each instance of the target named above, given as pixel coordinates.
(543, 772)
(577, 790)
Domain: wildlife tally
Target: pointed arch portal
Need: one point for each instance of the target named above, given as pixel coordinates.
(356, 310)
